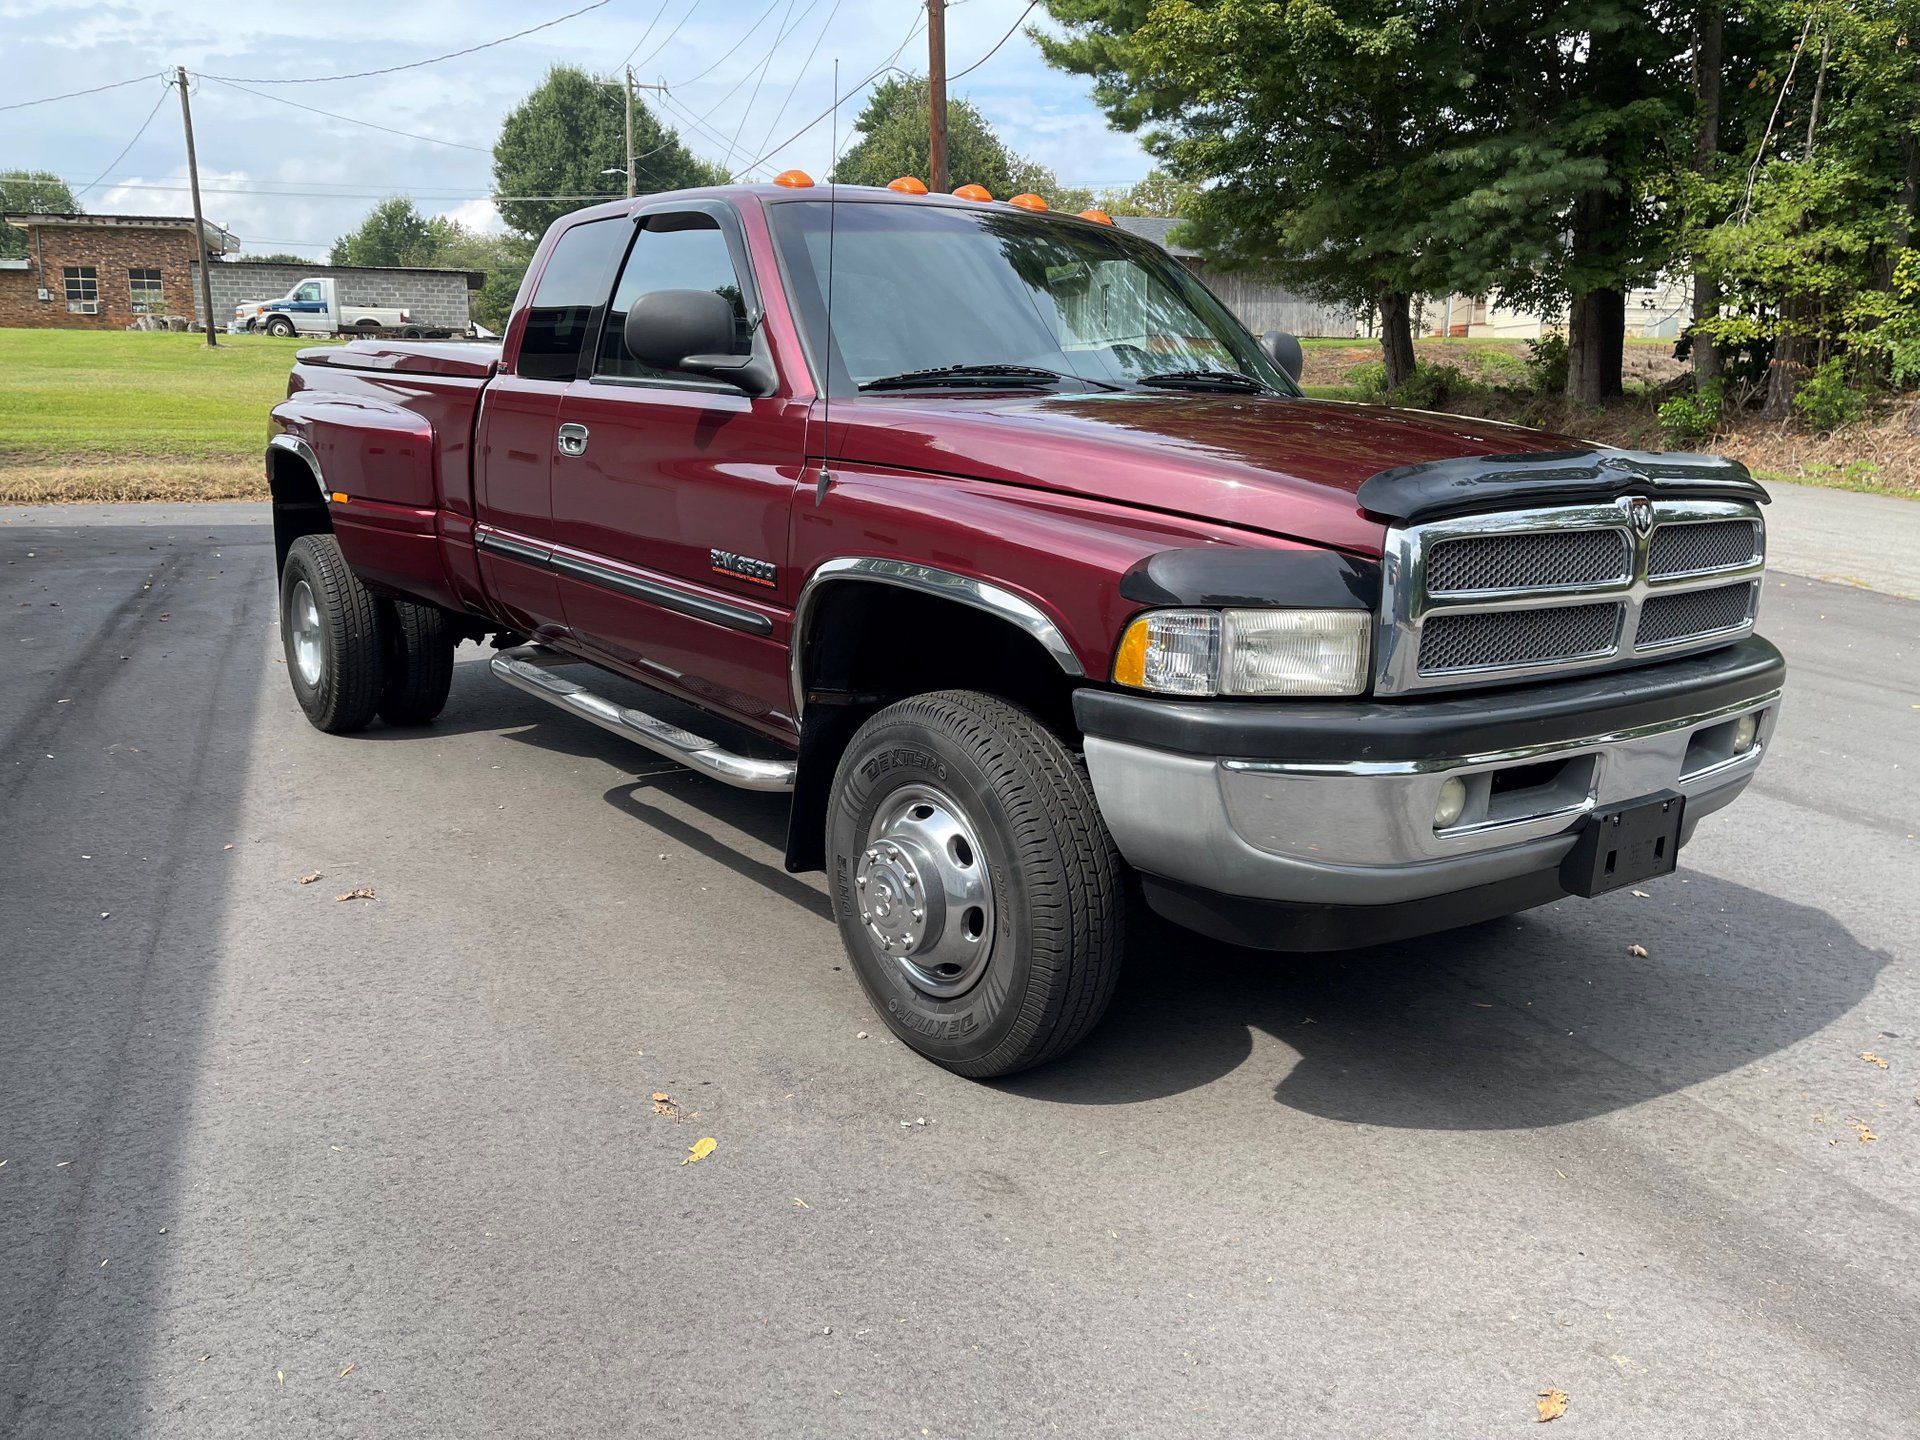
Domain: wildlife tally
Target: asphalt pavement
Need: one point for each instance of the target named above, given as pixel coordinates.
(275, 1163)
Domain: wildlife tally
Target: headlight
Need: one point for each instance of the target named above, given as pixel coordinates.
(1246, 652)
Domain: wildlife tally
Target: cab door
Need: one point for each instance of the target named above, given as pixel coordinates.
(517, 433)
(672, 493)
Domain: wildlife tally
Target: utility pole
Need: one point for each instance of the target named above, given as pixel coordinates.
(199, 223)
(937, 96)
(629, 132)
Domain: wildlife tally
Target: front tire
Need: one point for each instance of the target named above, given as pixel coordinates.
(330, 628)
(977, 890)
(280, 326)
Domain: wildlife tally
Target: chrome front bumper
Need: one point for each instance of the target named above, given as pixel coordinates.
(1362, 832)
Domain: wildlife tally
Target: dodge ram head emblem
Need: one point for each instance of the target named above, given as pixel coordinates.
(1640, 515)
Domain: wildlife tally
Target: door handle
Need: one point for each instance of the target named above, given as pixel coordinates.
(573, 439)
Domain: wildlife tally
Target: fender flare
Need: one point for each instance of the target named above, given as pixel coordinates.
(967, 590)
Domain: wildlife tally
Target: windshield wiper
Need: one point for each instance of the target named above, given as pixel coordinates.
(1204, 380)
(968, 375)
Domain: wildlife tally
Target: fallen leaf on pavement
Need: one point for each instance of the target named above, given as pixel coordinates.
(665, 1104)
(205, 1358)
(1873, 1059)
(352, 1366)
(1551, 1405)
(310, 877)
(1642, 895)
(801, 1204)
(700, 1149)
(361, 894)
(1639, 952)
(1859, 1128)
(280, 1376)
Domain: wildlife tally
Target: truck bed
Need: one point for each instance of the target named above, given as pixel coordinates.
(466, 359)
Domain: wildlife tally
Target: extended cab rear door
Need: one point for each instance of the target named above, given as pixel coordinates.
(671, 497)
(518, 429)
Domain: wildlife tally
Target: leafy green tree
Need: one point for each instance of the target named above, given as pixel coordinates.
(395, 233)
(1308, 134)
(30, 192)
(1156, 193)
(272, 257)
(892, 127)
(563, 138)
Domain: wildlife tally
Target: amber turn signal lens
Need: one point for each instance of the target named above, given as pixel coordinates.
(1029, 201)
(794, 179)
(1130, 660)
(908, 185)
(1099, 217)
(973, 192)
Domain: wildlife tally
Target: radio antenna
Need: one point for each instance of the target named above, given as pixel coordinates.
(833, 215)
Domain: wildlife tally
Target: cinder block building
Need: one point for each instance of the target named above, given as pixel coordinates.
(102, 272)
(436, 299)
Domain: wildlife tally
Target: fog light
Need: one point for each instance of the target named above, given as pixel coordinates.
(1453, 799)
(1745, 730)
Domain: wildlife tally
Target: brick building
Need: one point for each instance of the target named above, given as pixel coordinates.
(102, 272)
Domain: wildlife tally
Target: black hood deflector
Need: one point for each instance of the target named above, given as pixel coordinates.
(1559, 477)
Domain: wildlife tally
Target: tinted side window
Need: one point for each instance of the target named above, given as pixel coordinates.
(572, 289)
(673, 252)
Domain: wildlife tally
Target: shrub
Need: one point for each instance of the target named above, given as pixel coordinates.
(1431, 387)
(1547, 365)
(1692, 415)
(1827, 399)
(1370, 378)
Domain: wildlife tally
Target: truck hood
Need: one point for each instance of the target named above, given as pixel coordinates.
(1286, 466)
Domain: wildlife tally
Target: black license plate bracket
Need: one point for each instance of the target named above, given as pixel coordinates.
(1625, 844)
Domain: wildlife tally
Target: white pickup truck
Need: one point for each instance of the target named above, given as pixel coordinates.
(314, 307)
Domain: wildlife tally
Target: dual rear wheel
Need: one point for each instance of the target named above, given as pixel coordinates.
(352, 655)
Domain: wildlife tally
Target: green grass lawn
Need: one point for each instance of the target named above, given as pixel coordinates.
(92, 415)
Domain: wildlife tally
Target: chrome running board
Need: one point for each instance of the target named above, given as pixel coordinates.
(528, 668)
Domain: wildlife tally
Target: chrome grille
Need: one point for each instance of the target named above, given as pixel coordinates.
(1665, 619)
(1547, 559)
(1490, 599)
(1498, 639)
(1704, 545)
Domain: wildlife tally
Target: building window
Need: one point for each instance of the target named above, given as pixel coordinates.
(83, 289)
(143, 287)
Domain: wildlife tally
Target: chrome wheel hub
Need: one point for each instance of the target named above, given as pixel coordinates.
(303, 622)
(924, 893)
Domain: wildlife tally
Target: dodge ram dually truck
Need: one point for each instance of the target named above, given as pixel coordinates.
(988, 537)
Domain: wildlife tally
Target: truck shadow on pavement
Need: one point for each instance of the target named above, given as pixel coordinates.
(1535, 1020)
(1539, 1019)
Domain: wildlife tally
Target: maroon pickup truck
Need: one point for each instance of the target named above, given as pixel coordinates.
(995, 542)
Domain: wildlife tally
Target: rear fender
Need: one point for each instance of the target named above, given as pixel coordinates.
(374, 464)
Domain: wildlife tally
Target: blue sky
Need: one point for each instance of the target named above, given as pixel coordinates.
(289, 179)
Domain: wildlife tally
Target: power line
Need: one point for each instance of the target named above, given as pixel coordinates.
(369, 194)
(955, 75)
(71, 94)
(805, 66)
(872, 75)
(727, 55)
(765, 65)
(108, 167)
(315, 110)
(413, 64)
(670, 34)
(648, 31)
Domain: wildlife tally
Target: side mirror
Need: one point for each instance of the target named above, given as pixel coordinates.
(1284, 350)
(692, 331)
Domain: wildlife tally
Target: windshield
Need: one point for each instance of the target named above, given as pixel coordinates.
(928, 288)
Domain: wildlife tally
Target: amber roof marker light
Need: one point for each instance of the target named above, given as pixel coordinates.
(973, 192)
(908, 185)
(1099, 217)
(794, 179)
(1028, 201)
